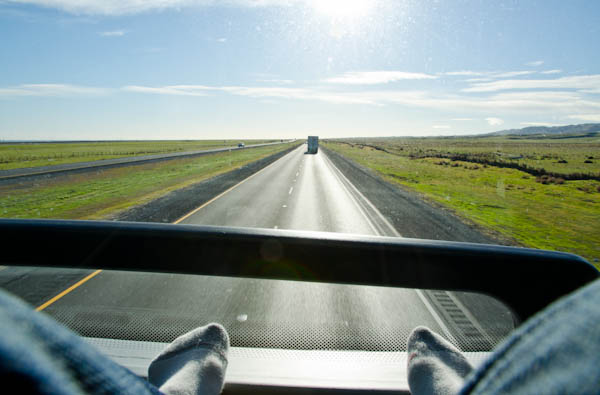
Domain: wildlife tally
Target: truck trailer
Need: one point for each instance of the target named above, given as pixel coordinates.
(313, 144)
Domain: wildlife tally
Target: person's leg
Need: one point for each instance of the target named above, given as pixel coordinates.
(194, 363)
(556, 351)
(38, 355)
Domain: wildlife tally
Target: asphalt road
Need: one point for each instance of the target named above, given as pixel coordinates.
(298, 191)
(28, 172)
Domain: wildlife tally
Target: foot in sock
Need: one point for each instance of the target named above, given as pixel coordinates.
(434, 365)
(194, 363)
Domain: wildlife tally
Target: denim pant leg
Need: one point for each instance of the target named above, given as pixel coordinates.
(555, 352)
(38, 355)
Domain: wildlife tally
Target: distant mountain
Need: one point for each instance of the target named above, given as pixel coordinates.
(568, 129)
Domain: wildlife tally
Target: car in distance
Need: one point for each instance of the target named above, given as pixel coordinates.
(241, 145)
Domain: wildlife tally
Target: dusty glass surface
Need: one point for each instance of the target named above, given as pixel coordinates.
(463, 121)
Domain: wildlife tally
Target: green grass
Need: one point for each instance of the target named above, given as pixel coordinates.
(14, 156)
(564, 156)
(102, 194)
(563, 217)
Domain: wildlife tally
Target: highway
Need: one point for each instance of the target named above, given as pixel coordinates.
(298, 191)
(17, 174)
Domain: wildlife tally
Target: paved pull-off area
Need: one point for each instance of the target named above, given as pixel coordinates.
(303, 192)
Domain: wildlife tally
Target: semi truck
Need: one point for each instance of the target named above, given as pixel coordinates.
(313, 144)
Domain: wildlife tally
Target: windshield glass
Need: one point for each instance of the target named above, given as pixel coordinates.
(456, 121)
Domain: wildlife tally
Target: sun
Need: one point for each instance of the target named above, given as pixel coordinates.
(343, 9)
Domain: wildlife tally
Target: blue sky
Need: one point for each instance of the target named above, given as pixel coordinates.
(196, 69)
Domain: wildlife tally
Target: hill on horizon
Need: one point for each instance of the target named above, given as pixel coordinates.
(567, 129)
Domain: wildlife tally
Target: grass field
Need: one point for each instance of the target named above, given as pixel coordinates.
(100, 194)
(554, 155)
(533, 211)
(13, 156)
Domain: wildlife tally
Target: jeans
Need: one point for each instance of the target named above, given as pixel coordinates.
(557, 351)
(38, 355)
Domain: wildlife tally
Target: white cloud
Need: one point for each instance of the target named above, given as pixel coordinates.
(108, 7)
(494, 121)
(537, 96)
(586, 117)
(514, 101)
(51, 90)
(509, 74)
(113, 33)
(487, 74)
(554, 71)
(125, 7)
(178, 90)
(593, 90)
(257, 92)
(461, 119)
(541, 124)
(573, 82)
(441, 126)
(539, 101)
(221, 40)
(376, 77)
(535, 63)
(299, 94)
(277, 81)
(464, 73)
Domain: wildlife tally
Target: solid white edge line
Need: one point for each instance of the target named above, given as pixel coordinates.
(367, 201)
(364, 199)
(419, 293)
(352, 198)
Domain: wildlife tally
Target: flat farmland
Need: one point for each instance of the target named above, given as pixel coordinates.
(540, 193)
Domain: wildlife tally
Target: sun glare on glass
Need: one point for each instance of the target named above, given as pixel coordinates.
(343, 9)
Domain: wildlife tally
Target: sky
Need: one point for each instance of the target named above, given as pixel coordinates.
(208, 69)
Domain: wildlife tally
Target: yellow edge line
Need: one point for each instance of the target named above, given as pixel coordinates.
(225, 192)
(66, 291)
(72, 287)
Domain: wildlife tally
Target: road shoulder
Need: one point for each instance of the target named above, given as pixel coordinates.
(176, 204)
(411, 214)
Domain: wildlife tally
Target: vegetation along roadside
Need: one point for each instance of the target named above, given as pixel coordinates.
(540, 211)
(36, 154)
(104, 193)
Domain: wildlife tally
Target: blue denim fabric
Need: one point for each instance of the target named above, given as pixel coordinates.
(38, 355)
(555, 352)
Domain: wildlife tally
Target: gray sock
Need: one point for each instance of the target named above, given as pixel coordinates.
(434, 365)
(194, 363)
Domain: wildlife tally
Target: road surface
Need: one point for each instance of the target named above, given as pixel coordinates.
(13, 174)
(298, 191)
